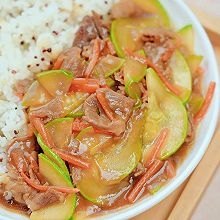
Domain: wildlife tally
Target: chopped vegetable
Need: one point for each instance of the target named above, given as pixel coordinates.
(207, 102)
(102, 100)
(74, 160)
(84, 85)
(186, 36)
(181, 76)
(56, 82)
(159, 143)
(164, 110)
(133, 194)
(109, 65)
(94, 59)
(36, 95)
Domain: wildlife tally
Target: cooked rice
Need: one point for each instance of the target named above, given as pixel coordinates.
(32, 34)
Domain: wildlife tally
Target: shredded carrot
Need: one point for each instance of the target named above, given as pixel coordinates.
(110, 47)
(45, 188)
(94, 59)
(72, 159)
(159, 143)
(59, 62)
(39, 125)
(170, 169)
(149, 63)
(205, 106)
(133, 194)
(98, 131)
(84, 85)
(102, 100)
(167, 55)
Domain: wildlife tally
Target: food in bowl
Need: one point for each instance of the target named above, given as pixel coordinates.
(111, 119)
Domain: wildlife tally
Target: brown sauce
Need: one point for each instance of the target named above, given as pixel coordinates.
(13, 206)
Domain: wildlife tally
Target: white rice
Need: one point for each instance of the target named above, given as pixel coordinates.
(28, 28)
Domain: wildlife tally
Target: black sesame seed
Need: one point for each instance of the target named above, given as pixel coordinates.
(37, 64)
(28, 66)
(55, 32)
(35, 57)
(42, 59)
(33, 38)
(106, 2)
(51, 63)
(44, 50)
(16, 108)
(49, 50)
(22, 42)
(16, 132)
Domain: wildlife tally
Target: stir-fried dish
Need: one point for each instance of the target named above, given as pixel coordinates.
(110, 120)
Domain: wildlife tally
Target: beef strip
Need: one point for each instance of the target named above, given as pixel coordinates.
(40, 200)
(159, 45)
(49, 111)
(22, 156)
(92, 27)
(120, 105)
(73, 61)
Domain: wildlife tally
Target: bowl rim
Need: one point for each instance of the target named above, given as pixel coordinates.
(140, 207)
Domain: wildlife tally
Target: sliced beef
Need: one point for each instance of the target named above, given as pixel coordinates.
(159, 45)
(40, 200)
(120, 105)
(126, 9)
(22, 156)
(92, 27)
(73, 61)
(49, 111)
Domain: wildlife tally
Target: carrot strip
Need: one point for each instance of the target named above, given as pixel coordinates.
(94, 59)
(72, 159)
(39, 125)
(102, 100)
(170, 169)
(45, 188)
(148, 62)
(156, 166)
(59, 62)
(159, 143)
(84, 85)
(205, 106)
(110, 47)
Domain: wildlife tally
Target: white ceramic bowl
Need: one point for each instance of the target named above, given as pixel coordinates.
(180, 15)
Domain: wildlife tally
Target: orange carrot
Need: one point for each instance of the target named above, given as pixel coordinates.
(149, 63)
(159, 143)
(72, 159)
(170, 169)
(84, 85)
(110, 47)
(45, 188)
(207, 101)
(133, 194)
(102, 100)
(94, 59)
(59, 62)
(39, 125)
